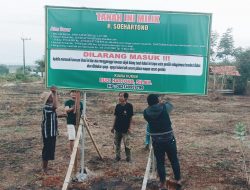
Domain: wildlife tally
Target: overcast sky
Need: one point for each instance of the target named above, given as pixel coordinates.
(26, 18)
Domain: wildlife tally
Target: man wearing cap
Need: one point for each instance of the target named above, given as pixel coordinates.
(163, 139)
(49, 126)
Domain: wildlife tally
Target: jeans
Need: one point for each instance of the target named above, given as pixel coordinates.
(147, 138)
(169, 147)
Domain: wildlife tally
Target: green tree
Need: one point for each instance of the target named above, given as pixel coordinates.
(213, 45)
(19, 74)
(19, 70)
(40, 65)
(226, 46)
(243, 63)
(4, 69)
(238, 51)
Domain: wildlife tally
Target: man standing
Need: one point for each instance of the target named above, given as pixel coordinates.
(49, 126)
(123, 116)
(71, 117)
(163, 139)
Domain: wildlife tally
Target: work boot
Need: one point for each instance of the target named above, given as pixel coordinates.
(128, 159)
(162, 186)
(128, 154)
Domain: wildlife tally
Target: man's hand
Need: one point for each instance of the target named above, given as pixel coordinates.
(72, 108)
(68, 109)
(112, 130)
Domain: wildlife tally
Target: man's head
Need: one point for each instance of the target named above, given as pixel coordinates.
(123, 97)
(73, 94)
(152, 99)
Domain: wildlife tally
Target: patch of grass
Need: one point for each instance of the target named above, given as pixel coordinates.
(20, 130)
(240, 131)
(7, 129)
(224, 164)
(5, 115)
(19, 77)
(193, 145)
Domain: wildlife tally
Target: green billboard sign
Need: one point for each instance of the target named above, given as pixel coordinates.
(127, 50)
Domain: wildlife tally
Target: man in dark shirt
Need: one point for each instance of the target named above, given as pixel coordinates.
(71, 117)
(163, 139)
(123, 116)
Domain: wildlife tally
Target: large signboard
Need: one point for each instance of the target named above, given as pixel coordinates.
(127, 50)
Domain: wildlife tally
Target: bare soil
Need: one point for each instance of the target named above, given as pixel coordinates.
(209, 154)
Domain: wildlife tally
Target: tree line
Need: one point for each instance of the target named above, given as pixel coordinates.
(223, 52)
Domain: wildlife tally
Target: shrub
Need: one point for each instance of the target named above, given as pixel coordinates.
(4, 70)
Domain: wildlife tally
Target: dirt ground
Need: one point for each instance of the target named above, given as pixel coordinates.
(209, 154)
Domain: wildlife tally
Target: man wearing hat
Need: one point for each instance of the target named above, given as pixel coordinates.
(49, 126)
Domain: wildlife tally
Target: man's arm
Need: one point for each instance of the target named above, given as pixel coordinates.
(113, 128)
(81, 108)
(131, 122)
(55, 98)
(68, 109)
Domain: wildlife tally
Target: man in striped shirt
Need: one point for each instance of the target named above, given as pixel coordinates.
(49, 126)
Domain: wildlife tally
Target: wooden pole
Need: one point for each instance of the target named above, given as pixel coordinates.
(214, 81)
(233, 84)
(153, 172)
(83, 135)
(146, 175)
(222, 83)
(72, 160)
(77, 111)
(80, 129)
(92, 139)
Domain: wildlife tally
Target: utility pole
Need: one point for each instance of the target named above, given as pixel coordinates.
(23, 39)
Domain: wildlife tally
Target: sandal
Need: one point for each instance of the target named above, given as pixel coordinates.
(162, 187)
